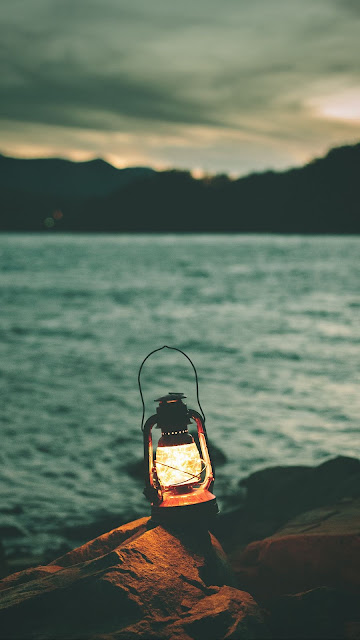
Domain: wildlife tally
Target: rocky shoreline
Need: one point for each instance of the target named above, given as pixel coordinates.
(291, 570)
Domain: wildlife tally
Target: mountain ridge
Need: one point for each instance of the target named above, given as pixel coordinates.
(60, 176)
(320, 197)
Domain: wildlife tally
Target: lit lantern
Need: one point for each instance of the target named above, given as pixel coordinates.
(179, 476)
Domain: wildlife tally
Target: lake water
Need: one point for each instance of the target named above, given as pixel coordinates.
(271, 323)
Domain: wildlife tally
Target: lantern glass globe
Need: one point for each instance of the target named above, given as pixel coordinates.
(178, 465)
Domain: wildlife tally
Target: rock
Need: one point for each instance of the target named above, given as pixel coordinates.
(16, 563)
(319, 613)
(278, 494)
(227, 608)
(218, 457)
(11, 531)
(283, 492)
(137, 581)
(103, 544)
(225, 613)
(3, 562)
(303, 560)
(318, 548)
(307, 574)
(89, 551)
(135, 469)
(103, 523)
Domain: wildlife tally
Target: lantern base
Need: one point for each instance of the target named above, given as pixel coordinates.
(198, 507)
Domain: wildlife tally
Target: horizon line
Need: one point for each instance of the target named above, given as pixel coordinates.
(196, 172)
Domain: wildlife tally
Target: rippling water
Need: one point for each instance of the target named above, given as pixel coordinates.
(271, 322)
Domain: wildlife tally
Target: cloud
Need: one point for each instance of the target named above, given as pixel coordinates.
(244, 72)
(92, 99)
(348, 6)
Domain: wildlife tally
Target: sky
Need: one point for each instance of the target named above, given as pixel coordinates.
(213, 86)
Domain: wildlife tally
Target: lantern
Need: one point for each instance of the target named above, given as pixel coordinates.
(179, 475)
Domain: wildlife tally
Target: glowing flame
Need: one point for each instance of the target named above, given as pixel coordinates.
(179, 464)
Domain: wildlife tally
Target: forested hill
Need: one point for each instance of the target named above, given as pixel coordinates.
(321, 197)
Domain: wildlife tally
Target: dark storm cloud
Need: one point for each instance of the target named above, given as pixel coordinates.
(140, 66)
(77, 99)
(50, 76)
(350, 6)
(60, 55)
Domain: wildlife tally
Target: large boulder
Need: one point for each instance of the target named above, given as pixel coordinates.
(294, 546)
(323, 613)
(138, 581)
(307, 574)
(318, 548)
(3, 564)
(278, 494)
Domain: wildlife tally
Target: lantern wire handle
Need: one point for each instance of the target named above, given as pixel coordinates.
(196, 380)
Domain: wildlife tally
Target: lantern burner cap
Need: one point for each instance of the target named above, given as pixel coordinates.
(172, 413)
(171, 397)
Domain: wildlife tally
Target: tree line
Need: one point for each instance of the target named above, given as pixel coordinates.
(321, 197)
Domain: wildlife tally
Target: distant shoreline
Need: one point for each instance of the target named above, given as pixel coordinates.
(68, 232)
(59, 195)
